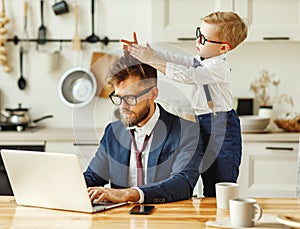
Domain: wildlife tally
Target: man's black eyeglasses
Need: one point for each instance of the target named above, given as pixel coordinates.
(203, 39)
(131, 100)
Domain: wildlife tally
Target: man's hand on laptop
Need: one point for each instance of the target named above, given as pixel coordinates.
(113, 195)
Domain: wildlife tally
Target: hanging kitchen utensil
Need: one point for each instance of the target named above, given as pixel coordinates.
(93, 38)
(42, 33)
(76, 45)
(23, 48)
(21, 81)
(60, 7)
(24, 35)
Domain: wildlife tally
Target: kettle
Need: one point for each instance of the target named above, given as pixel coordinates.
(17, 115)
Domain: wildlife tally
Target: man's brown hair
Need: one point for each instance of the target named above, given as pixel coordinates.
(127, 66)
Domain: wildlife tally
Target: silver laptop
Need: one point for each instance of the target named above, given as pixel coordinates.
(49, 180)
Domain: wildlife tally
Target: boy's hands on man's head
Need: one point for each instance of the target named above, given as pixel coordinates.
(143, 54)
(129, 43)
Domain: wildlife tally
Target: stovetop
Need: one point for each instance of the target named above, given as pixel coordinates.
(5, 126)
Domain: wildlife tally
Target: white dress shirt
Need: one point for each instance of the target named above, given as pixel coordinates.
(139, 135)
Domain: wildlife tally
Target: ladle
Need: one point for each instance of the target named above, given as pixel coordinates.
(93, 38)
(21, 81)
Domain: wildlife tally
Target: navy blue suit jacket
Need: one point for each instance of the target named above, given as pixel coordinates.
(173, 163)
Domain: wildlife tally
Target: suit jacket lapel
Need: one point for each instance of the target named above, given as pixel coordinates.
(160, 132)
(122, 157)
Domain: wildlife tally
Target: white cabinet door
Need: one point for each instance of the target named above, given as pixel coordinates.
(271, 20)
(177, 19)
(118, 19)
(84, 151)
(268, 169)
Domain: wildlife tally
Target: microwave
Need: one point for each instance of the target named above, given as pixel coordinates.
(246, 106)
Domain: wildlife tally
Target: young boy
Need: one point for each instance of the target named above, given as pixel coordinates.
(210, 73)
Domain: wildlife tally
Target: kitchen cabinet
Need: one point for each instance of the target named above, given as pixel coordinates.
(270, 20)
(85, 151)
(176, 19)
(118, 19)
(268, 169)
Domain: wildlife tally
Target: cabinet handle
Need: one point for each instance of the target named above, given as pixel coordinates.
(279, 148)
(186, 38)
(276, 38)
(85, 144)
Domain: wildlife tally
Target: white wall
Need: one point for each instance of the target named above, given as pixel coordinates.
(41, 94)
(117, 19)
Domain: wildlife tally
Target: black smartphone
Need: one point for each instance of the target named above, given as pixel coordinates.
(141, 209)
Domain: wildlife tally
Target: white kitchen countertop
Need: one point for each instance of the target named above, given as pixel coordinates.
(271, 137)
(94, 135)
(53, 134)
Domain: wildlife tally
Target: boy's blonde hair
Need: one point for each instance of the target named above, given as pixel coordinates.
(230, 27)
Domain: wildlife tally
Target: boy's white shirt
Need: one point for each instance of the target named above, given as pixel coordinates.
(214, 71)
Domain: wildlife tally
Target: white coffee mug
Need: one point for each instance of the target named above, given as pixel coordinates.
(244, 212)
(224, 192)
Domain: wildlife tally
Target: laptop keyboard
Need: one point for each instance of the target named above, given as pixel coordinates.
(104, 203)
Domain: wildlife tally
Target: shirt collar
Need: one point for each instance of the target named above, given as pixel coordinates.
(212, 59)
(149, 126)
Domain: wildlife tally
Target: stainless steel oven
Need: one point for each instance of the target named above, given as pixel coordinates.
(5, 188)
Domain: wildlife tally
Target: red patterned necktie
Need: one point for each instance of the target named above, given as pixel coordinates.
(138, 153)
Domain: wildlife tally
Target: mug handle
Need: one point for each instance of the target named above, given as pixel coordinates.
(258, 214)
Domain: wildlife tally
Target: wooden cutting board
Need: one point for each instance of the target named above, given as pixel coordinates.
(100, 65)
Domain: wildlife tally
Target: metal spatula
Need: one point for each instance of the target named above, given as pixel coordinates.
(42, 28)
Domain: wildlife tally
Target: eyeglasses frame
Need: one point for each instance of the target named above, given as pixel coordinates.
(202, 37)
(135, 96)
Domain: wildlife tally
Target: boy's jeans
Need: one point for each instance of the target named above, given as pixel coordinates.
(220, 138)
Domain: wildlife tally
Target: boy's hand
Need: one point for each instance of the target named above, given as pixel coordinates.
(129, 43)
(143, 54)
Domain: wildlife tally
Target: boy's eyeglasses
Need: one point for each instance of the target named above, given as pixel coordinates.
(131, 100)
(202, 38)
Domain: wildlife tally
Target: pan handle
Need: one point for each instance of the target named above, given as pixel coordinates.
(93, 22)
(42, 118)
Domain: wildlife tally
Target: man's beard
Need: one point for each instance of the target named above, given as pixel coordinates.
(133, 118)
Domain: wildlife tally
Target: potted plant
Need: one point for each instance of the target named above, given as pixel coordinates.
(265, 90)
